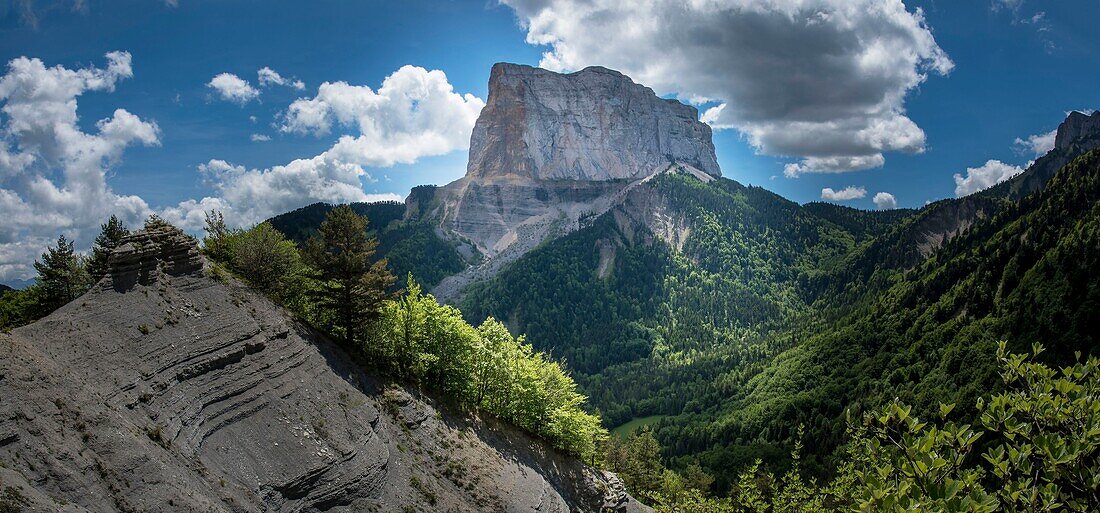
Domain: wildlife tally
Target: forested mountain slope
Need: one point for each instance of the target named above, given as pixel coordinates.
(1025, 275)
(691, 284)
(728, 315)
(739, 315)
(410, 246)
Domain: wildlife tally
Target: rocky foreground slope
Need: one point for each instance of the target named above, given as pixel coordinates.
(163, 389)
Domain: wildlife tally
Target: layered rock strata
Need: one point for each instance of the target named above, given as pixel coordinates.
(595, 124)
(183, 393)
(160, 247)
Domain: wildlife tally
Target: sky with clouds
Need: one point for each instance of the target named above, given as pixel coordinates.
(133, 107)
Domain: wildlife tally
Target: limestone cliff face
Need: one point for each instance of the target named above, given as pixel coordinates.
(550, 150)
(165, 390)
(1076, 128)
(595, 124)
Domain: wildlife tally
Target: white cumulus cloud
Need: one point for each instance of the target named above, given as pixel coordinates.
(232, 88)
(415, 113)
(822, 80)
(268, 77)
(987, 175)
(53, 175)
(1038, 144)
(259, 137)
(845, 194)
(248, 196)
(885, 201)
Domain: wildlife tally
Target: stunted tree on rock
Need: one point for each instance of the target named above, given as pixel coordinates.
(349, 284)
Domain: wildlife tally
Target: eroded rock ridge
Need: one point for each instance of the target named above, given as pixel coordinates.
(180, 392)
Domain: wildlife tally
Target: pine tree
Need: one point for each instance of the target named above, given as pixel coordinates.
(61, 275)
(644, 474)
(350, 285)
(110, 236)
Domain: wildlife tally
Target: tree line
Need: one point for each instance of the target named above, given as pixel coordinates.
(335, 283)
(63, 275)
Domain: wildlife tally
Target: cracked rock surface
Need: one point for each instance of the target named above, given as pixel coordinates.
(165, 390)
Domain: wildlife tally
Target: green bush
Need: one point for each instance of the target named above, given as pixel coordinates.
(1043, 455)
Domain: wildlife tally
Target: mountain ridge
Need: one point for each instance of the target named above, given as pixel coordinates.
(164, 389)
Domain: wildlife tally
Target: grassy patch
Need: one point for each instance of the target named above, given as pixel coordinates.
(625, 429)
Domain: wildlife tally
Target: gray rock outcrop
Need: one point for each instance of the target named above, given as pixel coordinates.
(595, 124)
(550, 150)
(182, 393)
(158, 247)
(1077, 127)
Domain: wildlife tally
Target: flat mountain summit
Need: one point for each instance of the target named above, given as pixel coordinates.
(550, 150)
(164, 389)
(595, 124)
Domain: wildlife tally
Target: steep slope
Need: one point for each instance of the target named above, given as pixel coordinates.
(298, 225)
(1026, 275)
(916, 237)
(864, 225)
(704, 301)
(550, 150)
(1077, 135)
(165, 390)
(681, 283)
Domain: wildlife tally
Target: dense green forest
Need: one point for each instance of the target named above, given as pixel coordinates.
(1035, 446)
(774, 315)
(409, 246)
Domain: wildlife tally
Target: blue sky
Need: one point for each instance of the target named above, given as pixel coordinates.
(1016, 67)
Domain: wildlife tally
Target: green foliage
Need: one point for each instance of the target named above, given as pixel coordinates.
(218, 243)
(411, 337)
(413, 247)
(408, 245)
(61, 275)
(421, 341)
(350, 283)
(905, 464)
(301, 224)
(111, 234)
(19, 307)
(773, 315)
(1049, 421)
(1046, 456)
(266, 259)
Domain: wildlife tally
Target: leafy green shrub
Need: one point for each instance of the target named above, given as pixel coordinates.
(1043, 455)
(419, 340)
(1046, 455)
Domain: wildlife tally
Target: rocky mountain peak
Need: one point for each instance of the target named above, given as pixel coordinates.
(594, 124)
(1077, 126)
